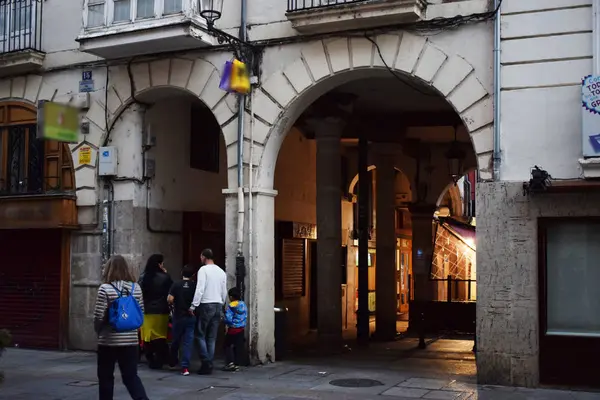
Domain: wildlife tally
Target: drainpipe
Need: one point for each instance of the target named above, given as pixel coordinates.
(497, 156)
(239, 260)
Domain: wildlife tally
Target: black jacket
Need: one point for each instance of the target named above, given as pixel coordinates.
(155, 290)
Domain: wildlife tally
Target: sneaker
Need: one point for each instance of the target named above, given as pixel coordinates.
(185, 371)
(231, 367)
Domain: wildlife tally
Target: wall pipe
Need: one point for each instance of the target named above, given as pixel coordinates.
(239, 260)
(497, 158)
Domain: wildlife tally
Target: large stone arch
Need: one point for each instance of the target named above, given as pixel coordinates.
(325, 64)
(194, 76)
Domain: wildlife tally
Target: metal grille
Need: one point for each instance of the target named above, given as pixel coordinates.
(301, 5)
(20, 25)
(25, 162)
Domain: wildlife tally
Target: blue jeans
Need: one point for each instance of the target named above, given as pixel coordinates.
(209, 318)
(183, 336)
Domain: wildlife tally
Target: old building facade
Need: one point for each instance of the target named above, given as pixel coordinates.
(349, 90)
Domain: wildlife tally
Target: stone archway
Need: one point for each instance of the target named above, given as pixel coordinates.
(325, 64)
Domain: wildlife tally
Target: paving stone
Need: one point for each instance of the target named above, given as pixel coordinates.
(424, 383)
(405, 392)
(442, 395)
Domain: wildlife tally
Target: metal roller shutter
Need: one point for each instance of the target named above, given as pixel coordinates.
(30, 266)
(293, 260)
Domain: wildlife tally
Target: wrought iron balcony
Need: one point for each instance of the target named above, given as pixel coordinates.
(20, 36)
(312, 16)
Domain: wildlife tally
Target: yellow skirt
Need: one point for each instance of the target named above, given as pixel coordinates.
(156, 326)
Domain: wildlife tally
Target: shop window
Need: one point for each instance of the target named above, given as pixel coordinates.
(29, 165)
(572, 273)
(293, 268)
(205, 138)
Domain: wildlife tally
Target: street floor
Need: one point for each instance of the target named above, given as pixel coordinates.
(446, 370)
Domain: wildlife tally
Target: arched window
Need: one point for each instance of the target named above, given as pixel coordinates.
(29, 165)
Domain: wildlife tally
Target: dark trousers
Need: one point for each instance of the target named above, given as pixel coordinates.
(233, 347)
(156, 353)
(127, 357)
(209, 318)
(183, 337)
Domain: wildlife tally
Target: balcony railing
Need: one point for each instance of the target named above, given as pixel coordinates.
(20, 25)
(303, 5)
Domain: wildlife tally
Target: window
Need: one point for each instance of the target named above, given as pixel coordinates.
(173, 6)
(29, 165)
(205, 140)
(122, 10)
(572, 276)
(145, 9)
(101, 12)
(95, 14)
(293, 268)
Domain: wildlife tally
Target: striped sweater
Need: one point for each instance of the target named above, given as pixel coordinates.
(106, 335)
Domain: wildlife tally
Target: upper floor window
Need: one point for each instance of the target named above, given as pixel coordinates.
(108, 12)
(20, 25)
(29, 165)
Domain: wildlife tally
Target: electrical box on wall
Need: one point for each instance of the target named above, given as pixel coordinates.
(107, 164)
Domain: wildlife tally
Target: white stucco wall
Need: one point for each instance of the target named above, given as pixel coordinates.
(546, 51)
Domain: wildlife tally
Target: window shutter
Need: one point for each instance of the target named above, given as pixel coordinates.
(293, 260)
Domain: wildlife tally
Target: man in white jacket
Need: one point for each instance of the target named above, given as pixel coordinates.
(209, 299)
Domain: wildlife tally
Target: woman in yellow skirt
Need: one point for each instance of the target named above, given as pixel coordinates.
(155, 283)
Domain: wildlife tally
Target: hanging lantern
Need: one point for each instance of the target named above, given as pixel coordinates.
(211, 10)
(456, 157)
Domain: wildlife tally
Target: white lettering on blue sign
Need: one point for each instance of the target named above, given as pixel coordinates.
(86, 76)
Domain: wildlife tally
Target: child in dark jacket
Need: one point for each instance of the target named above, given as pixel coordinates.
(236, 314)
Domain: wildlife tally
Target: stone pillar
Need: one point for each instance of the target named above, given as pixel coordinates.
(260, 269)
(422, 250)
(385, 278)
(329, 232)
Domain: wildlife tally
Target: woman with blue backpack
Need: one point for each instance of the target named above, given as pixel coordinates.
(118, 314)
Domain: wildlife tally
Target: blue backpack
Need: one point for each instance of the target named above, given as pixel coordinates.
(125, 313)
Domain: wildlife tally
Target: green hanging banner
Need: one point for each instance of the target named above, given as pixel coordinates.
(58, 122)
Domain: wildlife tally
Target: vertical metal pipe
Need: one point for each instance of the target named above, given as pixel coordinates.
(497, 102)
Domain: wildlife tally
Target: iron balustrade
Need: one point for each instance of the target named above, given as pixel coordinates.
(302, 5)
(20, 25)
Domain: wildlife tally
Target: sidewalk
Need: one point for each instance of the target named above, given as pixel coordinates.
(39, 375)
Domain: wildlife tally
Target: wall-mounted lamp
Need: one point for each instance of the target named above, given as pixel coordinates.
(456, 157)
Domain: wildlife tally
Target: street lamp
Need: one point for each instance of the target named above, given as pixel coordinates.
(456, 156)
(211, 10)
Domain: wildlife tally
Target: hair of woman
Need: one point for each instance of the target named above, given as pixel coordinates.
(153, 264)
(117, 269)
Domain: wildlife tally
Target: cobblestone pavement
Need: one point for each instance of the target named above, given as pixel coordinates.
(39, 375)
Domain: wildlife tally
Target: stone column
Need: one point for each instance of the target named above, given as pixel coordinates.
(385, 278)
(260, 269)
(329, 232)
(422, 250)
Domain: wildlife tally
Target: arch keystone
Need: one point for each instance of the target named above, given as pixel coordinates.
(411, 47)
(388, 45)
(181, 69)
(362, 52)
(430, 62)
(159, 72)
(314, 55)
(339, 54)
(141, 76)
